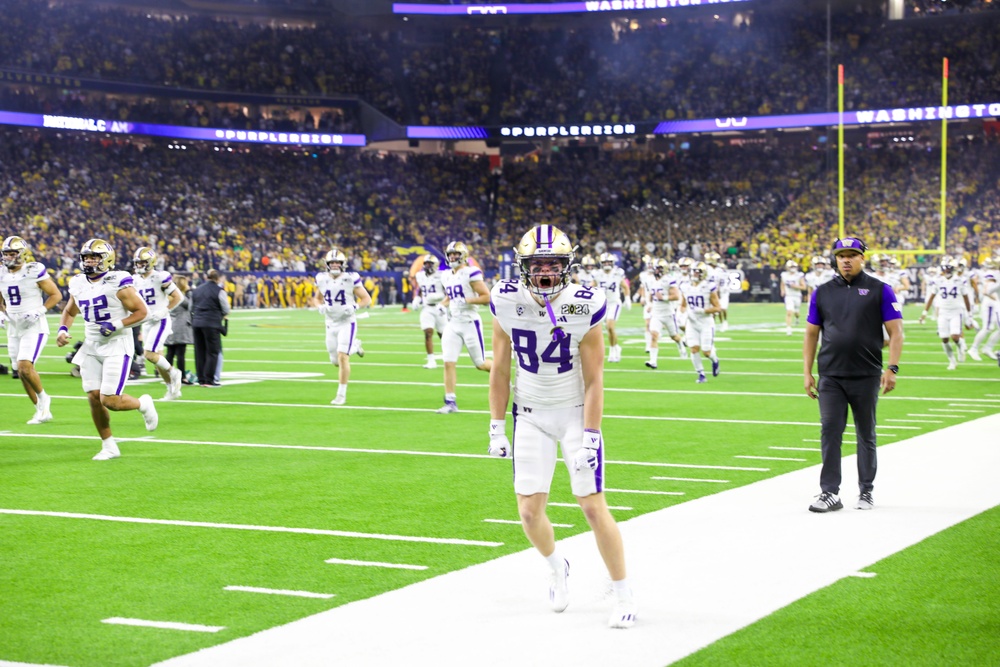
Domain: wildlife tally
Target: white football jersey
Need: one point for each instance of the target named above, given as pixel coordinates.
(610, 282)
(98, 302)
(816, 278)
(791, 280)
(549, 372)
(720, 274)
(658, 291)
(950, 293)
(645, 279)
(458, 288)
(431, 288)
(154, 290)
(586, 278)
(339, 294)
(20, 290)
(698, 295)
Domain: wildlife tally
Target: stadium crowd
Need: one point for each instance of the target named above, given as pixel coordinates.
(760, 63)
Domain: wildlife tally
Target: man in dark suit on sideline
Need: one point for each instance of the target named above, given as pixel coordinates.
(209, 309)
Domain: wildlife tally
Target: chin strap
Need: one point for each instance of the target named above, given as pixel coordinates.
(557, 331)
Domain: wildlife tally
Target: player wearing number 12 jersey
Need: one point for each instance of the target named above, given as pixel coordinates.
(110, 306)
(161, 295)
(552, 331)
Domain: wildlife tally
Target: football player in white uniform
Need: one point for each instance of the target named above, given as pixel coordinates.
(702, 298)
(554, 330)
(821, 273)
(792, 285)
(339, 294)
(611, 279)
(989, 310)
(953, 307)
(464, 290)
(664, 297)
(26, 294)
(110, 306)
(642, 295)
(433, 315)
(585, 274)
(902, 278)
(720, 275)
(161, 295)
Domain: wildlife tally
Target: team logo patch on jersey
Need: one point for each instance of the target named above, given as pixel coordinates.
(520, 311)
(863, 292)
(575, 309)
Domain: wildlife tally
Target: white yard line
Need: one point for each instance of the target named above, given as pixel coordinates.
(278, 591)
(164, 625)
(863, 575)
(646, 492)
(691, 479)
(264, 529)
(367, 563)
(766, 458)
(577, 506)
(916, 421)
(795, 449)
(690, 589)
(511, 522)
(8, 663)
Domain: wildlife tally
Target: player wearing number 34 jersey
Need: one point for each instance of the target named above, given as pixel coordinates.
(551, 330)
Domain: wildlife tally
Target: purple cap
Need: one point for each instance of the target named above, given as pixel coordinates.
(849, 243)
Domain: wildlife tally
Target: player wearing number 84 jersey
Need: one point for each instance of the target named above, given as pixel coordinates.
(551, 329)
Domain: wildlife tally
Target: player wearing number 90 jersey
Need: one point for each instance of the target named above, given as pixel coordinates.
(552, 332)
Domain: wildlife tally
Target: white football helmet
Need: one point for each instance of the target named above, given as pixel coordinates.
(713, 258)
(100, 249)
(791, 265)
(15, 251)
(685, 264)
(542, 243)
(335, 262)
(457, 254)
(660, 268)
(948, 265)
(144, 260)
(699, 272)
(588, 263)
(430, 264)
(608, 261)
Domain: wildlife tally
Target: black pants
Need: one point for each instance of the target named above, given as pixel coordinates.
(207, 346)
(178, 351)
(835, 395)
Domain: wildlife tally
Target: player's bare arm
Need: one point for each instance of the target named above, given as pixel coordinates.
(500, 372)
(69, 314)
(134, 304)
(482, 293)
(361, 295)
(592, 364)
(52, 294)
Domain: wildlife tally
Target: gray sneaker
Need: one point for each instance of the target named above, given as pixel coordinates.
(865, 501)
(826, 502)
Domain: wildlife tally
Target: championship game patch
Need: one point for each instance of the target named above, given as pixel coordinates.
(575, 309)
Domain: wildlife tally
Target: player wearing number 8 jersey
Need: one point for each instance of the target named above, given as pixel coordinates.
(110, 306)
(551, 329)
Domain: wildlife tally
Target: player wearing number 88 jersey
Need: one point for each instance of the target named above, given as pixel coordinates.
(551, 330)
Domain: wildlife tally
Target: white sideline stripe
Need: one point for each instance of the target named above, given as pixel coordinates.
(403, 452)
(863, 575)
(367, 563)
(795, 449)
(610, 507)
(691, 479)
(765, 458)
(518, 523)
(163, 625)
(914, 414)
(916, 421)
(704, 595)
(278, 591)
(955, 410)
(264, 529)
(645, 492)
(8, 663)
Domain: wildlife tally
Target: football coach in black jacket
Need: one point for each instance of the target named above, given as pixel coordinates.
(851, 311)
(209, 308)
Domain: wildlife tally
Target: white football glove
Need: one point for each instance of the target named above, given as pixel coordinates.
(499, 444)
(324, 309)
(698, 311)
(589, 457)
(3, 319)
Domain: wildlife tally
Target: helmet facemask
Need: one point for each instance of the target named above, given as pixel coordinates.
(545, 275)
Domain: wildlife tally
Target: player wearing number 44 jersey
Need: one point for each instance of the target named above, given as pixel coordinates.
(26, 294)
(161, 296)
(339, 294)
(552, 330)
(110, 305)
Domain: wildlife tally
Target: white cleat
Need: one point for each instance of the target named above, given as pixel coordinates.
(174, 390)
(623, 614)
(990, 353)
(961, 354)
(148, 411)
(40, 417)
(431, 364)
(338, 400)
(974, 353)
(106, 454)
(361, 350)
(448, 408)
(952, 365)
(559, 588)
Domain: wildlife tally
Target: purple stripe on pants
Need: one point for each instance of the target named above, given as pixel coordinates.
(350, 339)
(482, 343)
(599, 473)
(513, 440)
(38, 348)
(125, 369)
(159, 334)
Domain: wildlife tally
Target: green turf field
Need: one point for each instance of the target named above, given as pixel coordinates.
(260, 482)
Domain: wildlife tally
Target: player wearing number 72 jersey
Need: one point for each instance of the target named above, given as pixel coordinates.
(552, 330)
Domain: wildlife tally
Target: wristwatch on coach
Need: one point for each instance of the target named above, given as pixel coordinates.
(894, 368)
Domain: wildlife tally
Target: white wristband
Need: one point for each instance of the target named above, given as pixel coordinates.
(924, 314)
(498, 427)
(117, 324)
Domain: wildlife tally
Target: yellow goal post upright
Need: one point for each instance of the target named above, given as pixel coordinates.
(940, 250)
